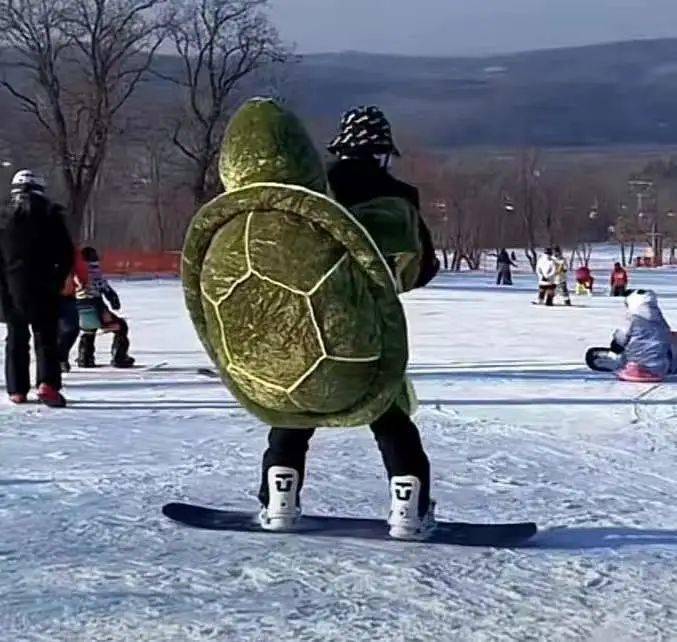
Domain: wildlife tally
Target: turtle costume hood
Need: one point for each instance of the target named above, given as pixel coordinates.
(288, 292)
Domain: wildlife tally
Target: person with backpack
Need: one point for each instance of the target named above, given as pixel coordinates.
(36, 257)
(619, 281)
(95, 314)
(364, 147)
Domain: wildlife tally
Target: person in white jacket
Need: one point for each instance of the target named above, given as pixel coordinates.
(546, 271)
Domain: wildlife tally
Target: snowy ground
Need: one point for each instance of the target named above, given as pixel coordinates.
(516, 428)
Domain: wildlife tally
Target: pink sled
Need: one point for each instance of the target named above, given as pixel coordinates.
(638, 374)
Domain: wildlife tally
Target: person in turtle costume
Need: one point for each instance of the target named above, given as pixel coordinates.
(294, 295)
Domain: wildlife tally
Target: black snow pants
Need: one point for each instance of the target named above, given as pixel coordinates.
(17, 355)
(120, 347)
(504, 275)
(546, 293)
(563, 291)
(397, 438)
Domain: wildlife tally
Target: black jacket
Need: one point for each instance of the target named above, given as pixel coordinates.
(36, 256)
(356, 181)
(504, 259)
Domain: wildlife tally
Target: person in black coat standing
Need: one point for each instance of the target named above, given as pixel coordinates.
(36, 257)
(504, 263)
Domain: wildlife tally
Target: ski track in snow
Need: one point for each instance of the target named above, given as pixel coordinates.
(516, 428)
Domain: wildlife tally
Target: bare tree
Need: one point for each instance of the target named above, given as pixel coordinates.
(220, 43)
(529, 173)
(523, 187)
(167, 183)
(84, 60)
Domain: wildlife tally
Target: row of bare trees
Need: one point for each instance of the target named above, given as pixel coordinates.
(524, 199)
(75, 67)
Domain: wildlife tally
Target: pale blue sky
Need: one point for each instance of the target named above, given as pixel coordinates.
(452, 27)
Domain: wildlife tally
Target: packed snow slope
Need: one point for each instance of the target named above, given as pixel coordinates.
(516, 428)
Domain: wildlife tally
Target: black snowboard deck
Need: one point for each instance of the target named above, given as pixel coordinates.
(449, 533)
(601, 359)
(559, 305)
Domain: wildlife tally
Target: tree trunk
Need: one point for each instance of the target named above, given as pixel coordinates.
(532, 256)
(199, 197)
(80, 186)
(76, 219)
(623, 261)
(445, 258)
(456, 261)
(156, 182)
(160, 222)
(572, 258)
(473, 259)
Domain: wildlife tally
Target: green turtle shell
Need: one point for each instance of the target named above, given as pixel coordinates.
(288, 292)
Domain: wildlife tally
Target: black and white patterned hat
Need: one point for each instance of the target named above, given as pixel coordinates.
(363, 130)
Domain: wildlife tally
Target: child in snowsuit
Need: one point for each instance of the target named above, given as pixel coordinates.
(90, 296)
(584, 280)
(561, 284)
(546, 271)
(619, 281)
(364, 146)
(645, 344)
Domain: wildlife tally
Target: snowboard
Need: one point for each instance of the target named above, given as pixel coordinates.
(558, 305)
(208, 372)
(601, 360)
(449, 533)
(137, 367)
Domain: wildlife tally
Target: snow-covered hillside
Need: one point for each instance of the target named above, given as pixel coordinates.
(516, 427)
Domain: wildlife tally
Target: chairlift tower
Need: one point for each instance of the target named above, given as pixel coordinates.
(647, 209)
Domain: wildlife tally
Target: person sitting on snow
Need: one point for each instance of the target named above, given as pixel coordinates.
(619, 281)
(645, 345)
(546, 270)
(584, 280)
(90, 297)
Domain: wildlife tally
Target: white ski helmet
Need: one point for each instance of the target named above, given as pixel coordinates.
(640, 302)
(27, 180)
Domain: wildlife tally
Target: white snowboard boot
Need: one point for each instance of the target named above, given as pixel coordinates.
(404, 520)
(283, 510)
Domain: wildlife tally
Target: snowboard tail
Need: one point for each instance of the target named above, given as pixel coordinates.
(602, 360)
(449, 533)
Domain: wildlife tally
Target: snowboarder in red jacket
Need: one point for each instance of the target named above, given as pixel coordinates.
(584, 280)
(619, 281)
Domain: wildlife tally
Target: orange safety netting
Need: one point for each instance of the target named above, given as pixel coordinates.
(125, 263)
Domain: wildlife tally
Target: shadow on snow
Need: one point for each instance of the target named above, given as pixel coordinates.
(565, 538)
